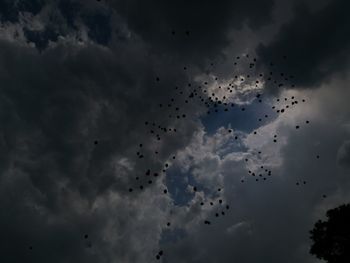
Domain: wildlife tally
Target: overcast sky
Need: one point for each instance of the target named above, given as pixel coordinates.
(83, 81)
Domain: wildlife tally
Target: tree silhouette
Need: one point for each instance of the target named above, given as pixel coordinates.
(332, 237)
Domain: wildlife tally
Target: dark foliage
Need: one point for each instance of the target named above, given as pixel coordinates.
(331, 238)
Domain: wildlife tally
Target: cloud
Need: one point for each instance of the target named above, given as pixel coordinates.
(270, 219)
(59, 184)
(344, 154)
(76, 72)
(207, 22)
(315, 42)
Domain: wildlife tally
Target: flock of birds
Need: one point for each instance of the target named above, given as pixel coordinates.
(213, 103)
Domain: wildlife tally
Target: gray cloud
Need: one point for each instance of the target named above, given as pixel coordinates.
(269, 220)
(343, 157)
(54, 105)
(97, 80)
(316, 44)
(208, 23)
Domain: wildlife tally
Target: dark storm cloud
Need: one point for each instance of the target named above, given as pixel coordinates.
(316, 44)
(99, 26)
(41, 38)
(207, 22)
(56, 185)
(54, 105)
(96, 18)
(59, 18)
(85, 96)
(70, 10)
(9, 10)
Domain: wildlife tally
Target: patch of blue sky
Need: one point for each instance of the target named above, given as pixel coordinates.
(177, 182)
(245, 121)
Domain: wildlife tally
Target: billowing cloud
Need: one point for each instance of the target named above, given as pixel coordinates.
(193, 30)
(313, 46)
(87, 88)
(270, 219)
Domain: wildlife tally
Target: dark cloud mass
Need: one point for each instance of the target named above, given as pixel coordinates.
(316, 43)
(10, 10)
(194, 30)
(54, 106)
(137, 131)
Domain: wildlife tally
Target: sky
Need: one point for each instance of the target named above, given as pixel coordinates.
(171, 131)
